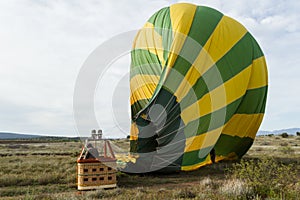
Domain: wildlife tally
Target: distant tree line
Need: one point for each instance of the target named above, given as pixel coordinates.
(284, 135)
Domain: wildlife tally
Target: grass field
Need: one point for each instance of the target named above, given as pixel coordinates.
(43, 170)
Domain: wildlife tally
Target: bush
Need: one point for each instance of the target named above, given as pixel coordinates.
(265, 177)
(298, 133)
(284, 135)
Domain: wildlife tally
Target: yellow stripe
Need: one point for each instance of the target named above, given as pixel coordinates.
(182, 16)
(243, 125)
(142, 87)
(143, 92)
(219, 43)
(134, 131)
(202, 141)
(230, 156)
(196, 166)
(142, 79)
(219, 97)
(259, 74)
(147, 38)
(227, 33)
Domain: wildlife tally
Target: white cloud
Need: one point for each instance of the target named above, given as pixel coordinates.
(44, 43)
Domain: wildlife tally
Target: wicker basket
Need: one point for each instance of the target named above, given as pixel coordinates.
(96, 173)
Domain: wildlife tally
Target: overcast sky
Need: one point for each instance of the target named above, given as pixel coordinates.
(43, 45)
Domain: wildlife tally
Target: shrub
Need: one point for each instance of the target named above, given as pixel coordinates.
(298, 133)
(265, 177)
(284, 135)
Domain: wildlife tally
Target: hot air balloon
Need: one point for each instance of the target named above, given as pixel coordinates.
(198, 89)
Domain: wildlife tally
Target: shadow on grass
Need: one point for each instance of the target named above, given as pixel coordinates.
(215, 171)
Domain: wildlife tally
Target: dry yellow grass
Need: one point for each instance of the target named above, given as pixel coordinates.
(48, 171)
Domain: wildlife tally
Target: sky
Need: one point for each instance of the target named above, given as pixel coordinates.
(43, 45)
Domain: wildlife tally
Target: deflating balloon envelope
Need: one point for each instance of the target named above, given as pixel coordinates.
(198, 82)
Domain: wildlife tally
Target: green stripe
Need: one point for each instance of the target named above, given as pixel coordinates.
(192, 158)
(227, 144)
(144, 62)
(257, 52)
(162, 25)
(252, 102)
(205, 21)
(133, 146)
(146, 142)
(142, 57)
(161, 20)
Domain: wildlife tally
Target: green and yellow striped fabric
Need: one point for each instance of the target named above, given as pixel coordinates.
(198, 82)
